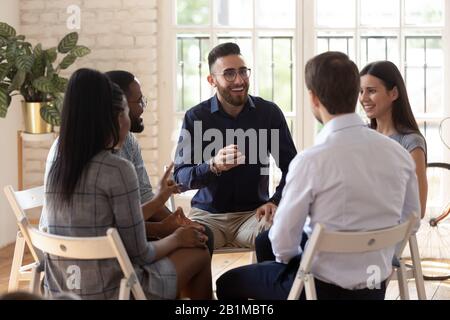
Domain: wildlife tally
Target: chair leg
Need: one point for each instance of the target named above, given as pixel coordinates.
(417, 268)
(19, 250)
(35, 282)
(310, 288)
(297, 288)
(402, 283)
(124, 293)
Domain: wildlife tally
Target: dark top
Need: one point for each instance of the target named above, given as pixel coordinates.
(260, 128)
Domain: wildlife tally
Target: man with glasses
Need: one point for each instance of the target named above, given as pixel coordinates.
(233, 197)
(162, 221)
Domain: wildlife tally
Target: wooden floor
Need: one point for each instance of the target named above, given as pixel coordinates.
(222, 262)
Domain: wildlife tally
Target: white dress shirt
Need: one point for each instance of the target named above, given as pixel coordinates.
(353, 179)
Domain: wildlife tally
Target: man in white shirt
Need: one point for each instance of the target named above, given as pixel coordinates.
(353, 179)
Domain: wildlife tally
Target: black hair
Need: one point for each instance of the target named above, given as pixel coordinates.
(122, 78)
(89, 124)
(222, 50)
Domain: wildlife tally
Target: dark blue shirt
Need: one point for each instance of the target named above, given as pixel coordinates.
(245, 187)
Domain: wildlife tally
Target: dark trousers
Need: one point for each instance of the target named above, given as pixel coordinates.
(263, 247)
(272, 281)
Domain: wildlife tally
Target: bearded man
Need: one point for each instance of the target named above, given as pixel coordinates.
(224, 149)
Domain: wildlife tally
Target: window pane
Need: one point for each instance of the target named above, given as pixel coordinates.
(332, 13)
(434, 144)
(380, 13)
(415, 51)
(192, 71)
(275, 70)
(435, 90)
(275, 14)
(234, 13)
(435, 52)
(415, 83)
(375, 48)
(421, 12)
(336, 42)
(193, 12)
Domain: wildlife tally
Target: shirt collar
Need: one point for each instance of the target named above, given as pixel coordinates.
(339, 123)
(215, 103)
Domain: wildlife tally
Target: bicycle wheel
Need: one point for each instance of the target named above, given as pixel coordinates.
(433, 236)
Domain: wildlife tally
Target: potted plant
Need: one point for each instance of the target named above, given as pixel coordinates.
(33, 73)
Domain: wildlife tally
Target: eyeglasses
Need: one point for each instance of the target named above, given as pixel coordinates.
(231, 74)
(142, 102)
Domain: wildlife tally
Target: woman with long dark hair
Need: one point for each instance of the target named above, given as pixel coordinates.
(89, 189)
(385, 100)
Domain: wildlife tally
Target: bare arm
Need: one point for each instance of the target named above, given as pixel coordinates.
(421, 172)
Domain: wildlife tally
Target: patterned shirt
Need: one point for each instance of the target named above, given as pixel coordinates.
(132, 152)
(106, 196)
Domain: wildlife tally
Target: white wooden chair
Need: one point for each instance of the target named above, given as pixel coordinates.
(89, 248)
(351, 242)
(86, 248)
(228, 249)
(20, 201)
(413, 271)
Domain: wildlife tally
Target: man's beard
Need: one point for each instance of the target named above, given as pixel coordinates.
(137, 125)
(236, 101)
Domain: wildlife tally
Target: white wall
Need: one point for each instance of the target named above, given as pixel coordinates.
(9, 13)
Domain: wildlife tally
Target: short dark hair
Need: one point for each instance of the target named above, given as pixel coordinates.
(223, 50)
(335, 80)
(390, 76)
(122, 78)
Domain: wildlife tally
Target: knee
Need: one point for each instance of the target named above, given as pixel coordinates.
(226, 286)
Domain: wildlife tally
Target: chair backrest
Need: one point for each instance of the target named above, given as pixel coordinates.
(352, 242)
(357, 242)
(24, 200)
(87, 248)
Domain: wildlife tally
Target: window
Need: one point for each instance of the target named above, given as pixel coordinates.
(406, 32)
(278, 37)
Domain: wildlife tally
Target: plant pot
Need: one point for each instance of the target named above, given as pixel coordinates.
(33, 120)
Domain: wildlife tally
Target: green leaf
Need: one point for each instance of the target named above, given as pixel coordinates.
(5, 100)
(11, 52)
(38, 68)
(17, 81)
(51, 54)
(59, 83)
(50, 113)
(43, 84)
(20, 37)
(3, 41)
(4, 69)
(80, 51)
(67, 61)
(6, 30)
(68, 42)
(38, 50)
(25, 63)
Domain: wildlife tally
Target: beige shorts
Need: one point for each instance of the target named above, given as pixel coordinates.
(236, 229)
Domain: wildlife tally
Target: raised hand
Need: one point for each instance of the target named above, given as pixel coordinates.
(167, 186)
(228, 158)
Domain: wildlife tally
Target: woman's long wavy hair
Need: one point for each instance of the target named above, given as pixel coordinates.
(390, 76)
(89, 124)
